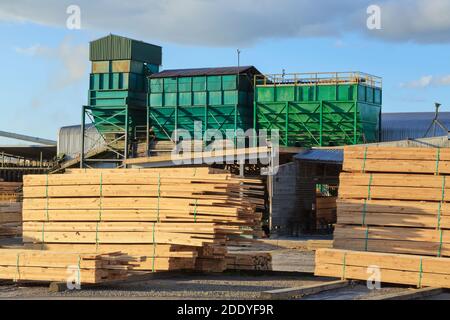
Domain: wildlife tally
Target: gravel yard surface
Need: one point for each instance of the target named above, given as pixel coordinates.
(176, 286)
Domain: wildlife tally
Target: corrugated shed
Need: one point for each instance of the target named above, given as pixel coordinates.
(69, 140)
(206, 72)
(114, 47)
(411, 125)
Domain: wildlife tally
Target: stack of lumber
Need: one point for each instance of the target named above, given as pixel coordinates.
(249, 261)
(394, 204)
(393, 268)
(38, 265)
(10, 191)
(10, 209)
(10, 219)
(169, 219)
(325, 211)
(394, 200)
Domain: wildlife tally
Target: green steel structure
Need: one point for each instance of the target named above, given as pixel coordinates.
(219, 98)
(319, 109)
(118, 93)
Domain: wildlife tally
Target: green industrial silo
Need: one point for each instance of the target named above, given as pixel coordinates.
(319, 109)
(118, 89)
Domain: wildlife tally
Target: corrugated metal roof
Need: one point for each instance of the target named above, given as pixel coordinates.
(322, 155)
(411, 125)
(205, 72)
(113, 47)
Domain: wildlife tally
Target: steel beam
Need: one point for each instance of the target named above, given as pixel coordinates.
(27, 138)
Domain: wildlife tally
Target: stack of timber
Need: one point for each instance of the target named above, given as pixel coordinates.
(10, 191)
(249, 261)
(325, 211)
(38, 265)
(10, 209)
(168, 219)
(394, 200)
(10, 219)
(393, 268)
(394, 205)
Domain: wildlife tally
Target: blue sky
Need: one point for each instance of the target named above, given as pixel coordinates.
(45, 65)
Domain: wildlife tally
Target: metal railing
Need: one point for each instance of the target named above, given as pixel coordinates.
(318, 78)
(13, 161)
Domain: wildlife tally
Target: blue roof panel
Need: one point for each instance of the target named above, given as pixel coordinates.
(322, 155)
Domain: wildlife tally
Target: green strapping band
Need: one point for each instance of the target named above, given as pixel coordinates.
(439, 216)
(96, 237)
(440, 243)
(154, 248)
(195, 172)
(101, 197)
(419, 285)
(369, 190)
(364, 162)
(369, 197)
(17, 267)
(344, 262)
(440, 203)
(438, 158)
(79, 269)
(43, 236)
(46, 197)
(195, 211)
(364, 212)
(366, 245)
(159, 194)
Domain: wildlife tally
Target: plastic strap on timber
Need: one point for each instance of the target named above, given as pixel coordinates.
(154, 247)
(46, 197)
(195, 211)
(344, 265)
(369, 197)
(17, 276)
(43, 236)
(100, 211)
(366, 242)
(159, 194)
(440, 243)
(419, 284)
(440, 203)
(79, 270)
(438, 158)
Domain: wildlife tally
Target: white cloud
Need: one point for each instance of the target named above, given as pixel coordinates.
(72, 61)
(241, 22)
(427, 81)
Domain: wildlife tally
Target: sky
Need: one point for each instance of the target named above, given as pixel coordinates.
(45, 64)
